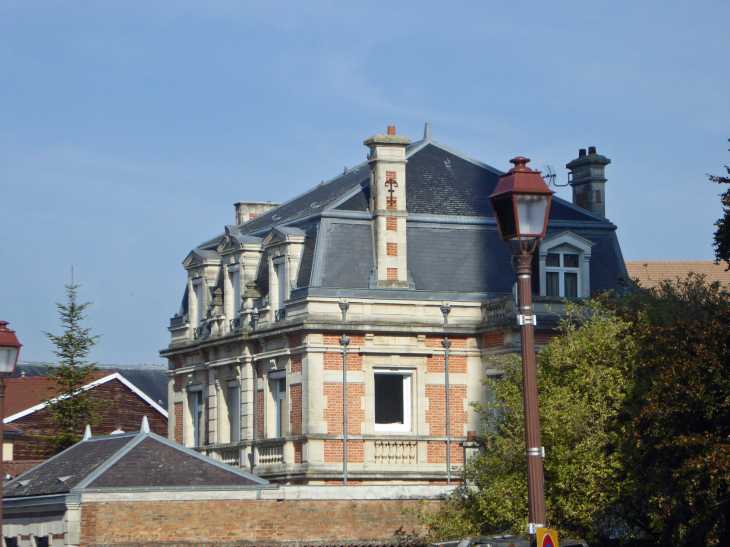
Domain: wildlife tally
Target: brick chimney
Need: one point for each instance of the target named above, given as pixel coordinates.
(246, 210)
(587, 177)
(388, 203)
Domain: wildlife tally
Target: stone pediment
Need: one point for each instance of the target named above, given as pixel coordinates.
(283, 234)
(198, 257)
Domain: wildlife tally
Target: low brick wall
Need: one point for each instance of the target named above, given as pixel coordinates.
(231, 521)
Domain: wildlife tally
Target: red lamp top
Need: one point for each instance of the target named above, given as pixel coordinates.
(521, 180)
(9, 349)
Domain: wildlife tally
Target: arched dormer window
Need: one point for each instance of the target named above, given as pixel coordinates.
(564, 261)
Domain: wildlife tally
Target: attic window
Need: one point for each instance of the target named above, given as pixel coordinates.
(64, 479)
(24, 483)
(564, 262)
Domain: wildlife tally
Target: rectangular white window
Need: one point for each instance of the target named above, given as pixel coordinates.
(561, 275)
(198, 304)
(392, 390)
(281, 280)
(280, 402)
(197, 413)
(234, 411)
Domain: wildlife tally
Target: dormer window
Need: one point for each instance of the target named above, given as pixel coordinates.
(564, 262)
(562, 270)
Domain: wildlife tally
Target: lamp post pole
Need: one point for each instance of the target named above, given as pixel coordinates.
(343, 342)
(533, 443)
(446, 343)
(521, 205)
(9, 351)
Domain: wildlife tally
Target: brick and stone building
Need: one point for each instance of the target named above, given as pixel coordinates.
(398, 254)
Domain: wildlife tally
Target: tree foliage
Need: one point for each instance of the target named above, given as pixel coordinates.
(72, 409)
(635, 418)
(582, 381)
(677, 442)
(722, 234)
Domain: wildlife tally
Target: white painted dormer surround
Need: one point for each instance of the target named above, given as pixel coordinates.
(284, 246)
(564, 261)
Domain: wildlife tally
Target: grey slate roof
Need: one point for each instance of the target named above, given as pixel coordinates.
(132, 460)
(441, 185)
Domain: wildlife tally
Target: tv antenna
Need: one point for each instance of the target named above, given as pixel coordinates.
(550, 174)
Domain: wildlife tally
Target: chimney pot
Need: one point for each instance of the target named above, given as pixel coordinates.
(591, 149)
(582, 153)
(391, 130)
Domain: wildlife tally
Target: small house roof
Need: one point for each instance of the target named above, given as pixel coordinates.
(651, 272)
(140, 460)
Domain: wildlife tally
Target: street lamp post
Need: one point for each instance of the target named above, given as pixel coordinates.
(343, 342)
(521, 203)
(446, 343)
(9, 351)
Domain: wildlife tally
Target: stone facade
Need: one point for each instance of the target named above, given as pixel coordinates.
(396, 255)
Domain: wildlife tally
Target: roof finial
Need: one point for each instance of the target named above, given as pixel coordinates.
(427, 132)
(145, 425)
(87, 432)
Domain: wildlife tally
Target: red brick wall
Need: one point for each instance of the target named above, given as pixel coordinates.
(295, 340)
(436, 452)
(260, 416)
(543, 338)
(436, 413)
(296, 363)
(177, 384)
(493, 339)
(120, 409)
(178, 412)
(436, 363)
(333, 361)
(333, 451)
(295, 416)
(333, 410)
(356, 340)
(297, 452)
(392, 273)
(435, 342)
(226, 522)
(391, 203)
(391, 249)
(391, 224)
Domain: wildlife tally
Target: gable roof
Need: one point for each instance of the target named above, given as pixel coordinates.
(30, 390)
(127, 461)
(651, 272)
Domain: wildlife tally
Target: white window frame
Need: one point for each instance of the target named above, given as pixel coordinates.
(407, 410)
(233, 405)
(234, 280)
(193, 408)
(280, 399)
(197, 297)
(566, 243)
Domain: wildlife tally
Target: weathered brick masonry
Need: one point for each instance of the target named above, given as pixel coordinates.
(228, 521)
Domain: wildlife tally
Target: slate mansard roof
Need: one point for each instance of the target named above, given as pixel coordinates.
(450, 222)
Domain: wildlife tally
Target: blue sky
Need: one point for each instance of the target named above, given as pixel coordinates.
(128, 129)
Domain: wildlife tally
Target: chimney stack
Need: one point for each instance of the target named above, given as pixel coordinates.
(246, 210)
(388, 203)
(587, 177)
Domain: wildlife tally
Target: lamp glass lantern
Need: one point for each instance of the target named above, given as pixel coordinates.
(9, 349)
(521, 203)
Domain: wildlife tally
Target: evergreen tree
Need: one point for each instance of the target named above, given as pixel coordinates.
(72, 409)
(722, 235)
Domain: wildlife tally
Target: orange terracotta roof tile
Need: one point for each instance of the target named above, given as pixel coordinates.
(26, 392)
(651, 272)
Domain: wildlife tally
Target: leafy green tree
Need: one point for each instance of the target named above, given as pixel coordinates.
(676, 445)
(722, 235)
(582, 381)
(72, 409)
